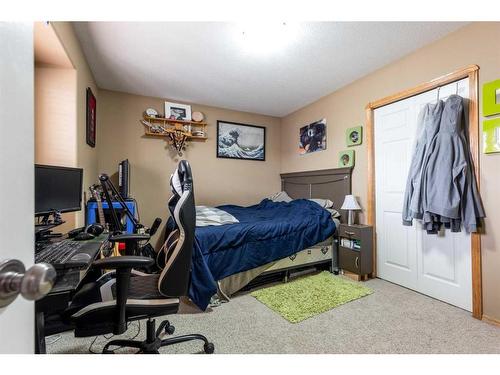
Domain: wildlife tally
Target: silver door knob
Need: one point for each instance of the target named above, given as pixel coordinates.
(32, 284)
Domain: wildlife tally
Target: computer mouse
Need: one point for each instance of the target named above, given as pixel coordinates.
(84, 236)
(74, 232)
(95, 229)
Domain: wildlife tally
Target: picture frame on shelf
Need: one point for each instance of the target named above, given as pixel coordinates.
(91, 118)
(177, 111)
(241, 141)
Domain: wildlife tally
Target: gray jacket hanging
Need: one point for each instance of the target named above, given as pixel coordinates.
(427, 128)
(449, 187)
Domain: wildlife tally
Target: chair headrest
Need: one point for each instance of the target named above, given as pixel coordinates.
(182, 178)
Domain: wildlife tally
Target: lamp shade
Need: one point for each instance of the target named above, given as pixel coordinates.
(350, 203)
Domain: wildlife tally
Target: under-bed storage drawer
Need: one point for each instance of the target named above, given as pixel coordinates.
(304, 257)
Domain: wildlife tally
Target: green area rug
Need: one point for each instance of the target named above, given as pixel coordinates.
(311, 295)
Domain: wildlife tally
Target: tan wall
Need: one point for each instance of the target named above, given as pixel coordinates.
(55, 122)
(473, 44)
(55, 116)
(86, 156)
(217, 181)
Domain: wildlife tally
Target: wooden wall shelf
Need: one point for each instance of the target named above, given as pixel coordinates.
(165, 134)
(167, 121)
(177, 133)
(172, 126)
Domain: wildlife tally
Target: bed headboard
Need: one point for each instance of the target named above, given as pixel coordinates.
(333, 184)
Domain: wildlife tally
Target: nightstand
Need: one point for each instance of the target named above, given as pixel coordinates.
(355, 249)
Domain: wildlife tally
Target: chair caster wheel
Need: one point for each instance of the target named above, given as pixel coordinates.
(169, 330)
(208, 348)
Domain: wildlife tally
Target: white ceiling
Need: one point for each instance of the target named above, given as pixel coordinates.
(206, 62)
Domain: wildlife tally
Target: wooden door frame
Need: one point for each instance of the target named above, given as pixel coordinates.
(472, 73)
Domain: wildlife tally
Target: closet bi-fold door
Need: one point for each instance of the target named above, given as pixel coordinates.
(435, 265)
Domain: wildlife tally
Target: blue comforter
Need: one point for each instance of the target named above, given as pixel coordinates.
(266, 232)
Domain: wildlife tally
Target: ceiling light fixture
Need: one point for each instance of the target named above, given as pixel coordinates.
(263, 38)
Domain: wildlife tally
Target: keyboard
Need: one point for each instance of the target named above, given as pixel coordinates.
(67, 254)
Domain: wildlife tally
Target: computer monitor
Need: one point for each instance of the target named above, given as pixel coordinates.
(57, 189)
(124, 178)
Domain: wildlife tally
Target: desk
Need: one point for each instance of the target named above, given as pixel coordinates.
(54, 303)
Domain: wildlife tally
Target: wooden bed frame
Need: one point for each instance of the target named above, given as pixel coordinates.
(333, 184)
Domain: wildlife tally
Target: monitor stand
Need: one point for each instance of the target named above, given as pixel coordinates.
(43, 232)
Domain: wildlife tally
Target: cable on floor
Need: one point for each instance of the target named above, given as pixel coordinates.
(108, 338)
(55, 338)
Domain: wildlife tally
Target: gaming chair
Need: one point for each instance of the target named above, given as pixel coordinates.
(124, 295)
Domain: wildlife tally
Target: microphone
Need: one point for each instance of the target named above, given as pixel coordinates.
(155, 226)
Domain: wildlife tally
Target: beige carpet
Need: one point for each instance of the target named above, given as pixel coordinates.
(391, 320)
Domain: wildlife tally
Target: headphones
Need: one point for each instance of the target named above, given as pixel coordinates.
(94, 229)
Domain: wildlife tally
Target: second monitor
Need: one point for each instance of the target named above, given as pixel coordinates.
(124, 178)
(57, 189)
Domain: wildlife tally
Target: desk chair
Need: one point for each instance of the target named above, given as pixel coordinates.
(118, 297)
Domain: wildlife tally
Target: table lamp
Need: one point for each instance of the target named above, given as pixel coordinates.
(351, 204)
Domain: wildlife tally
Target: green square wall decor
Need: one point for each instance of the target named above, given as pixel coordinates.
(354, 136)
(491, 135)
(346, 158)
(491, 98)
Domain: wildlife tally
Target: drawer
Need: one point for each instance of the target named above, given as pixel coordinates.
(350, 232)
(350, 260)
(304, 257)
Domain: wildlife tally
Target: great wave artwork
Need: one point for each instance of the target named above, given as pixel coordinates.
(240, 141)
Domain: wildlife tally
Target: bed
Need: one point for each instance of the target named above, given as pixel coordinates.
(270, 236)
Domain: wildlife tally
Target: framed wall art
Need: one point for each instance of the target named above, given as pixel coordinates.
(354, 136)
(91, 118)
(346, 158)
(312, 137)
(241, 141)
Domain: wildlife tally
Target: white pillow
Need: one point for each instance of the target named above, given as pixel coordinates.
(282, 196)
(325, 203)
(334, 213)
(207, 216)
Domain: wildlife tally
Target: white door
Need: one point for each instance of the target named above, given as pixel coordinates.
(16, 180)
(436, 265)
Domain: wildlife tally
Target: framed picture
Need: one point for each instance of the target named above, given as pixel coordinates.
(91, 118)
(491, 135)
(241, 141)
(354, 136)
(177, 111)
(491, 98)
(346, 158)
(312, 137)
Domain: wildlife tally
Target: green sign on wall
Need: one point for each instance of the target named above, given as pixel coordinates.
(491, 135)
(491, 98)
